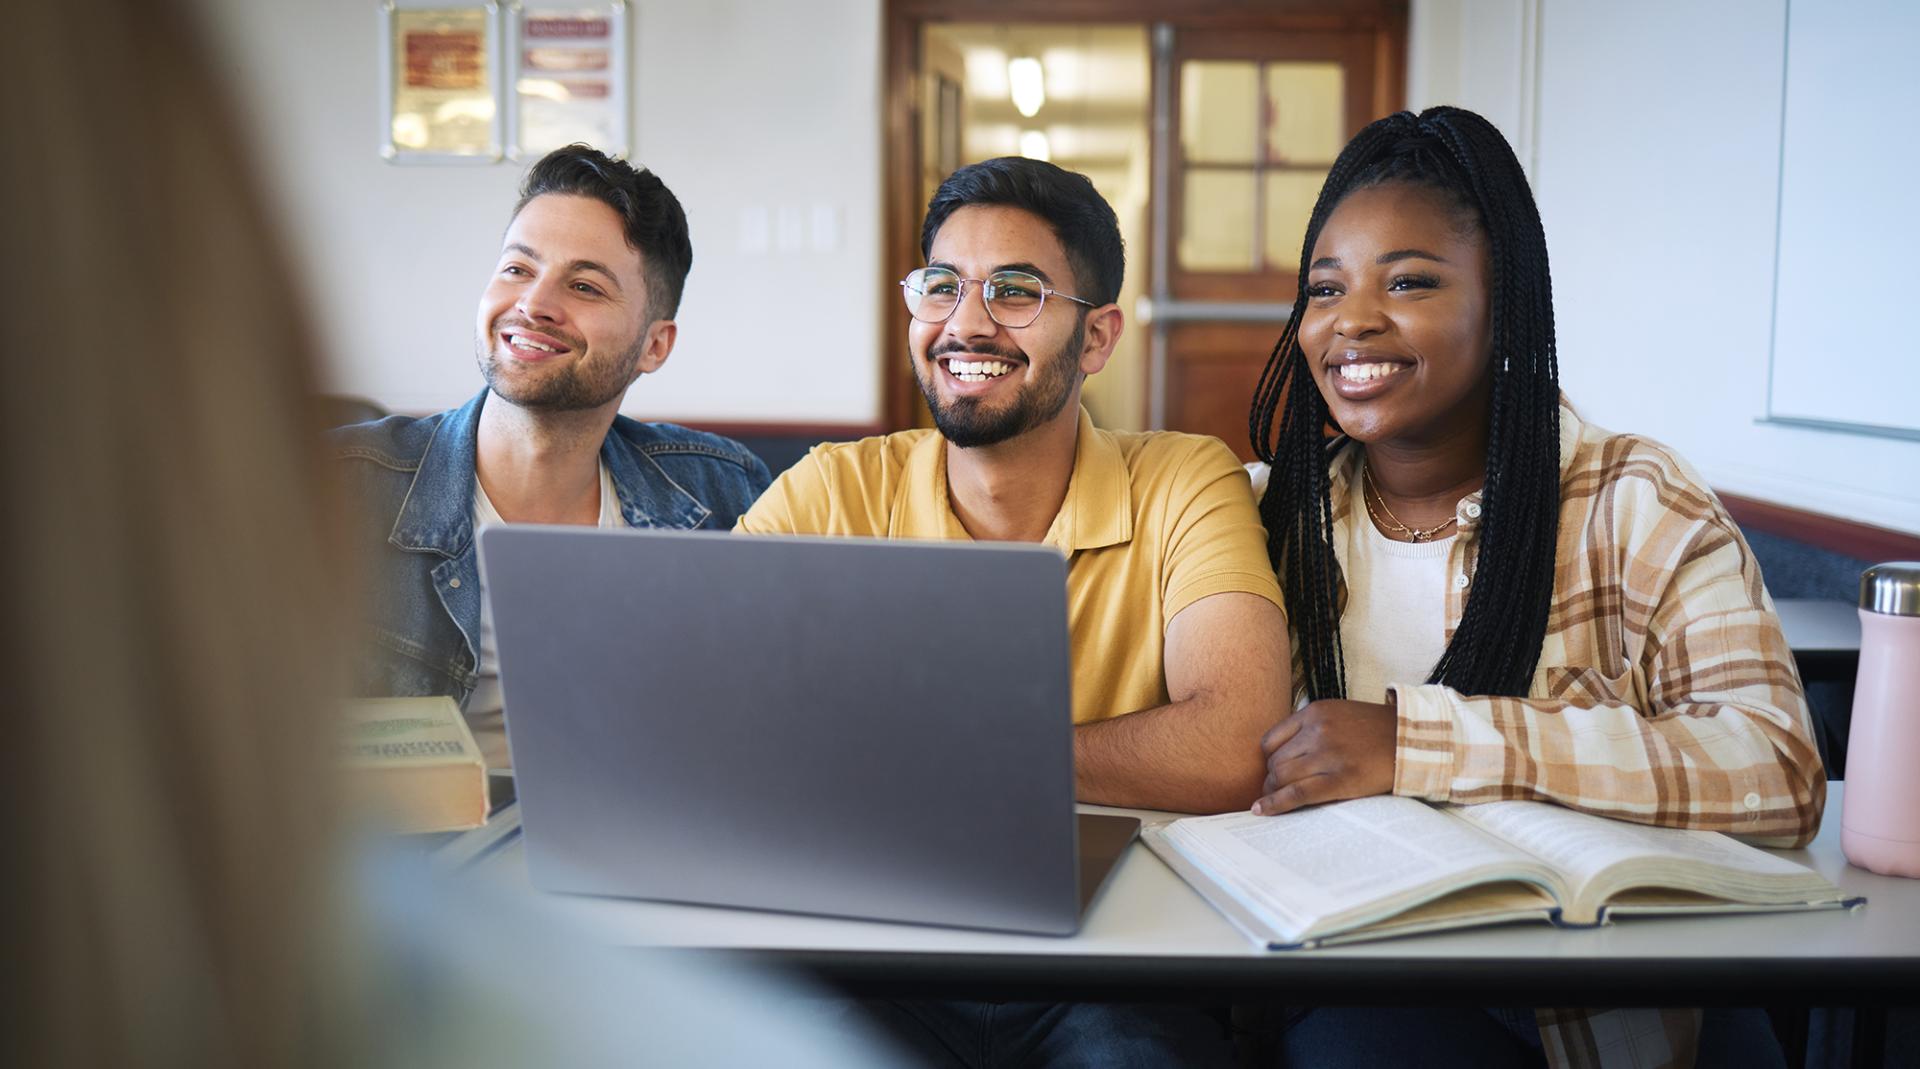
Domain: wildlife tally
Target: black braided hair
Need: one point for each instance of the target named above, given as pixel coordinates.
(1497, 645)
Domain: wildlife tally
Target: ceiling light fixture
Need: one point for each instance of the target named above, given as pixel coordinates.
(1034, 145)
(1027, 84)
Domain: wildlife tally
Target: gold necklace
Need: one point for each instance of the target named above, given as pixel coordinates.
(1392, 522)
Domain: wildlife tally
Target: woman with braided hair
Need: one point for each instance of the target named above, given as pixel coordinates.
(1489, 598)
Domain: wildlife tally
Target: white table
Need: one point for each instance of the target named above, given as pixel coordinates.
(1148, 936)
(1819, 625)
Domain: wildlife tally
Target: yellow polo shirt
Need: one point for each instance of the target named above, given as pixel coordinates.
(1151, 524)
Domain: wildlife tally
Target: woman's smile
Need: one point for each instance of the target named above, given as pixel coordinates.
(1363, 376)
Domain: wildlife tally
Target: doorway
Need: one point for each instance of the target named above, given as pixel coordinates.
(1208, 125)
(1078, 94)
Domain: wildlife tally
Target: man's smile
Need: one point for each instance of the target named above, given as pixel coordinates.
(975, 370)
(525, 344)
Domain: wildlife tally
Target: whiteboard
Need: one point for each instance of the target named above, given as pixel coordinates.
(1846, 342)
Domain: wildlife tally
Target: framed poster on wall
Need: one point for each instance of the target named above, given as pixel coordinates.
(439, 100)
(568, 77)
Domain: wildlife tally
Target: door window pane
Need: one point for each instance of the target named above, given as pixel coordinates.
(1216, 213)
(1290, 197)
(1219, 118)
(1306, 103)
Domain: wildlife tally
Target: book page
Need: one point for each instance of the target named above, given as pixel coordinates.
(1582, 844)
(392, 732)
(1314, 862)
(1487, 903)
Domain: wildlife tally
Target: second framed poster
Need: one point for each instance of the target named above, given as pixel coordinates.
(567, 78)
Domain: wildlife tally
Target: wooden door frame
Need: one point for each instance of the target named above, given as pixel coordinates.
(901, 120)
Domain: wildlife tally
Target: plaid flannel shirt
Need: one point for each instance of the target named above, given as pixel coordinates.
(1665, 692)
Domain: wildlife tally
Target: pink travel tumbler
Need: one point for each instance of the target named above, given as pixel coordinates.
(1880, 815)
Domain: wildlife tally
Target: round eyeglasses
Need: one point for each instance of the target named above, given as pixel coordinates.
(1013, 298)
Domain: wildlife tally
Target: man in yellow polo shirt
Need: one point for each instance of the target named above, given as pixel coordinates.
(1179, 645)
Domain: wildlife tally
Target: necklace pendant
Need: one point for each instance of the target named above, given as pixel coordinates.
(1419, 536)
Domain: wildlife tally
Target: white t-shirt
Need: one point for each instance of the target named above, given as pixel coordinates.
(484, 705)
(1395, 624)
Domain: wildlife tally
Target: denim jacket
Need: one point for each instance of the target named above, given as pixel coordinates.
(411, 484)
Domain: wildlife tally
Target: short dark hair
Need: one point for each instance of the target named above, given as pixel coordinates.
(1080, 217)
(656, 227)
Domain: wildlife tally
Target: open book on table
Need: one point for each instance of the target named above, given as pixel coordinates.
(1377, 867)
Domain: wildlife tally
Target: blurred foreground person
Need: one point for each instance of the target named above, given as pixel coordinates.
(168, 643)
(164, 664)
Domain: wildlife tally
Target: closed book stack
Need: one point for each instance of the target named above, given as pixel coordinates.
(412, 765)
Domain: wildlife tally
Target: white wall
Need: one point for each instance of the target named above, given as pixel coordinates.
(1656, 163)
(1477, 54)
(763, 117)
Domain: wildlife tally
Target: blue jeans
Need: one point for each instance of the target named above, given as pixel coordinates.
(1434, 1037)
(992, 1035)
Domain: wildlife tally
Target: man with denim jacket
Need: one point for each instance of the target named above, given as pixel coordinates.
(580, 305)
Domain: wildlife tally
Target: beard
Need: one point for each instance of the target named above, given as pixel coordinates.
(968, 423)
(576, 386)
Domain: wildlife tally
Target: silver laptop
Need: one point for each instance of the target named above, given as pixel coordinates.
(856, 727)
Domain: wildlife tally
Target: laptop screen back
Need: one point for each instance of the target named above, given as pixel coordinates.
(852, 727)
